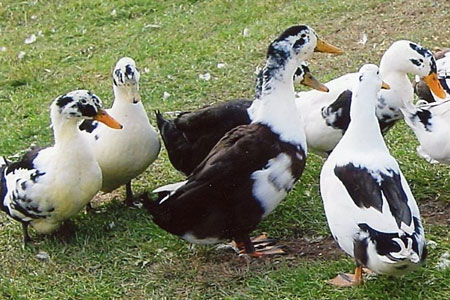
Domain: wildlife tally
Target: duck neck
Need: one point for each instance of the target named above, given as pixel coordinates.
(125, 95)
(364, 129)
(397, 79)
(65, 131)
(277, 108)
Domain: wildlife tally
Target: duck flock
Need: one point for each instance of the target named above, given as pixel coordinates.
(242, 157)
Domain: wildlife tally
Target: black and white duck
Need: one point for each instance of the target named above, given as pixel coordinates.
(123, 154)
(430, 123)
(253, 167)
(49, 185)
(191, 135)
(327, 115)
(443, 71)
(369, 206)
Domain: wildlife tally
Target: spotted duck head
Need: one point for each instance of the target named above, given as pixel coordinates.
(81, 104)
(126, 80)
(408, 57)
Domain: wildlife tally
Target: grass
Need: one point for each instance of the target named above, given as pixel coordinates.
(121, 254)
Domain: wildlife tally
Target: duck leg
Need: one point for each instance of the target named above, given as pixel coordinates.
(129, 199)
(26, 236)
(346, 280)
(258, 246)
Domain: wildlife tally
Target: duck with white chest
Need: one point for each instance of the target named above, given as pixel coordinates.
(48, 186)
(191, 135)
(327, 115)
(369, 206)
(253, 167)
(123, 155)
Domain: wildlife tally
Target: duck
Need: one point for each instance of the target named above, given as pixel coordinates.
(370, 209)
(191, 135)
(123, 154)
(430, 123)
(252, 168)
(443, 69)
(49, 185)
(327, 115)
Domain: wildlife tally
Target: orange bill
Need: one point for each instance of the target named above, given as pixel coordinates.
(385, 86)
(435, 86)
(323, 46)
(312, 82)
(102, 116)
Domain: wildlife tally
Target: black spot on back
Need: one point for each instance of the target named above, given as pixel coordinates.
(337, 114)
(424, 117)
(367, 191)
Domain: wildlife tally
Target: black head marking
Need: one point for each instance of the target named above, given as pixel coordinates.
(87, 110)
(118, 74)
(129, 71)
(64, 100)
(425, 53)
(279, 51)
(415, 62)
(292, 31)
(421, 50)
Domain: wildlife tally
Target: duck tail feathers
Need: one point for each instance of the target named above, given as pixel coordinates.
(163, 124)
(149, 204)
(168, 188)
(3, 161)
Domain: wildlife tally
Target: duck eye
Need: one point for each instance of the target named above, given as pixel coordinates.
(421, 60)
(303, 35)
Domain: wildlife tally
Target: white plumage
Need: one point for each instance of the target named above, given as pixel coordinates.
(431, 125)
(369, 207)
(123, 155)
(50, 185)
(402, 57)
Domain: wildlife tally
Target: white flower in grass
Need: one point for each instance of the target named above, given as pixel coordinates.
(221, 65)
(246, 32)
(205, 76)
(363, 39)
(31, 39)
(2, 49)
(113, 13)
(21, 55)
(166, 95)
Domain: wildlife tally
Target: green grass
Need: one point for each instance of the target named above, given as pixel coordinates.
(79, 43)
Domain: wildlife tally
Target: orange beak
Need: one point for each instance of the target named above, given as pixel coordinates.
(323, 46)
(102, 116)
(312, 82)
(435, 86)
(385, 86)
